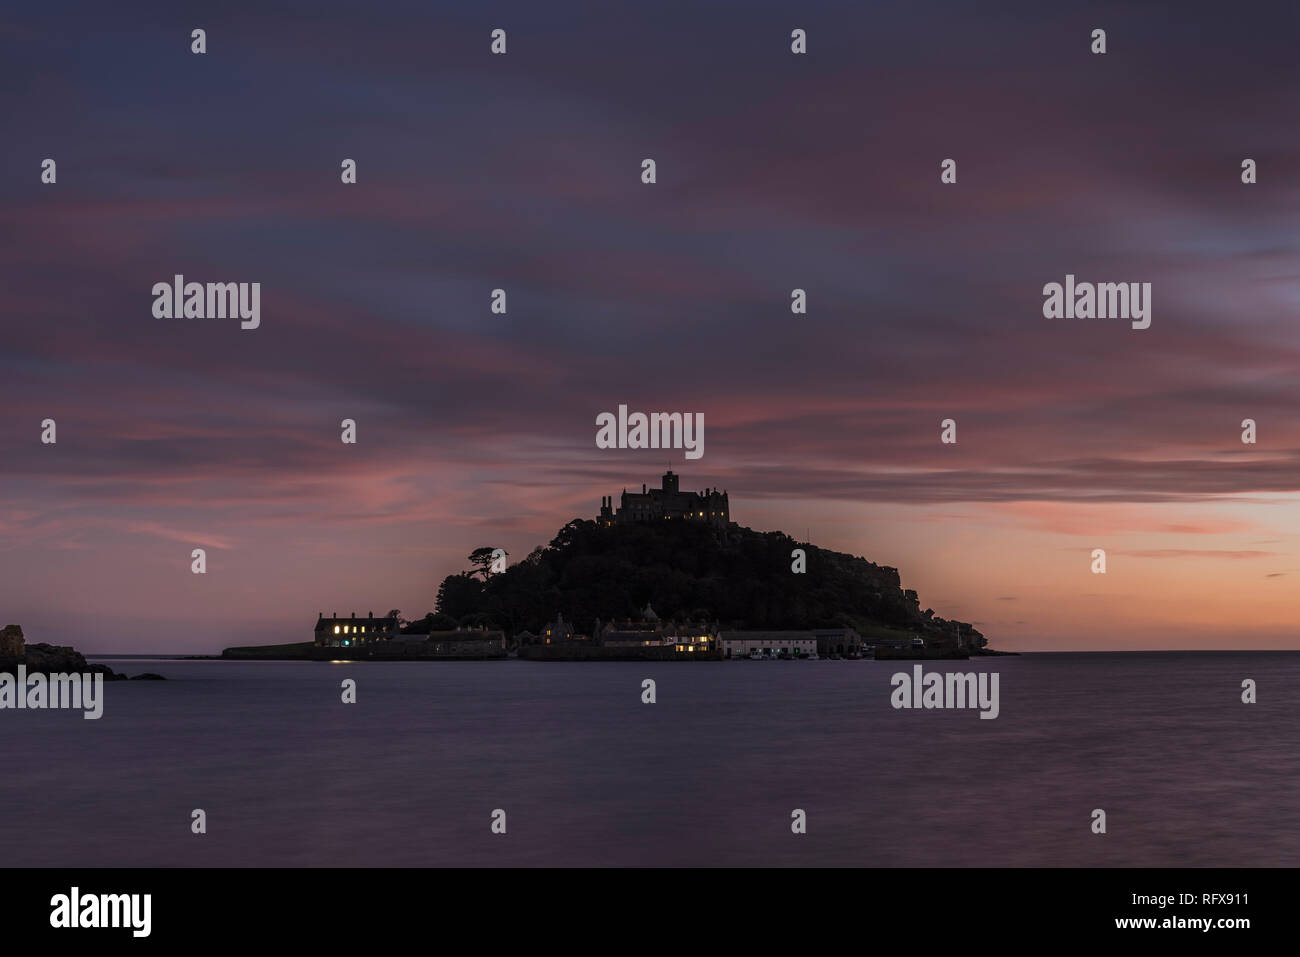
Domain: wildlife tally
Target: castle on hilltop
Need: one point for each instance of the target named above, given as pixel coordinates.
(668, 502)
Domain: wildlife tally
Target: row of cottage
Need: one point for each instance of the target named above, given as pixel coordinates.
(649, 631)
(707, 638)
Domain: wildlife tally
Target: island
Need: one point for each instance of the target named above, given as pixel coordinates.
(727, 592)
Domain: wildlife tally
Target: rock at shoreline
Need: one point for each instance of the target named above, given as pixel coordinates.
(49, 659)
(11, 642)
(62, 659)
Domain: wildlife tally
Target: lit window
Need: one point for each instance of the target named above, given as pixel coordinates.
(336, 629)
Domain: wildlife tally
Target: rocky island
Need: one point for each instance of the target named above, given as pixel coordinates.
(725, 592)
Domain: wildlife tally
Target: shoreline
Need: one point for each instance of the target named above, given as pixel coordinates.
(983, 653)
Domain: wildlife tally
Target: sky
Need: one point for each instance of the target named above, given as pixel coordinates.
(775, 171)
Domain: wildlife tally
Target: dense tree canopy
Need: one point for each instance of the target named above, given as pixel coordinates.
(740, 577)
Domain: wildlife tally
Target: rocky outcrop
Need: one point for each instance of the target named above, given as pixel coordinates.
(56, 659)
(51, 659)
(11, 642)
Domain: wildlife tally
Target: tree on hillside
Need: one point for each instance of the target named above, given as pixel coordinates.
(482, 559)
(430, 623)
(459, 595)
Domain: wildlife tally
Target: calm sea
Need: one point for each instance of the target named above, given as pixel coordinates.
(708, 775)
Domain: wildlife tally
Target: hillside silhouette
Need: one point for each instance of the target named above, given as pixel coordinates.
(685, 570)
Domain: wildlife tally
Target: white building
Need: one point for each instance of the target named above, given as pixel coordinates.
(739, 644)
